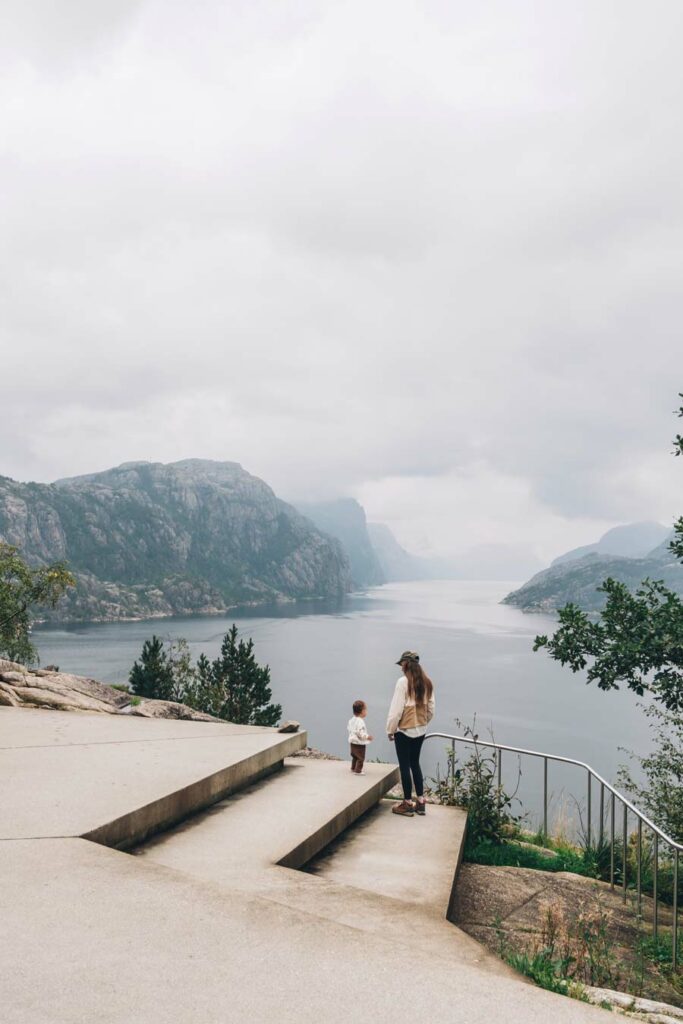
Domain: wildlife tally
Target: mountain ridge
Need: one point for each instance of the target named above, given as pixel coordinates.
(630, 540)
(577, 579)
(152, 539)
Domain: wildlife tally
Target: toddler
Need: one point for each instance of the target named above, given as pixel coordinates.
(358, 737)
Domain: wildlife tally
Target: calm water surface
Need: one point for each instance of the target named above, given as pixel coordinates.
(477, 651)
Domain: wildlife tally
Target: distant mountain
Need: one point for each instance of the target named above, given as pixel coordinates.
(345, 520)
(397, 565)
(635, 540)
(578, 579)
(147, 539)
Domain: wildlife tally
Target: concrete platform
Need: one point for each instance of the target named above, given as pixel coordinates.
(116, 779)
(209, 924)
(93, 934)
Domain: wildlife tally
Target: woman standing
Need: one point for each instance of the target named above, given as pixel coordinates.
(411, 709)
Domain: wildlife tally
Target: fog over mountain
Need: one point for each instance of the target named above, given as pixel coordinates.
(634, 540)
(345, 520)
(423, 255)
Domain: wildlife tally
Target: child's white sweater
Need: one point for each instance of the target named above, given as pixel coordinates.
(357, 731)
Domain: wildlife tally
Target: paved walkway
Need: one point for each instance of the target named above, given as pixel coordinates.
(67, 773)
(92, 933)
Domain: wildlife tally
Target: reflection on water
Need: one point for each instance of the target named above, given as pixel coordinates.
(323, 656)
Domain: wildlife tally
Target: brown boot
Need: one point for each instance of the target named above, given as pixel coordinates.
(405, 807)
(420, 806)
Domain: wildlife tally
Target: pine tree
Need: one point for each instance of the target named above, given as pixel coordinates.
(235, 687)
(152, 676)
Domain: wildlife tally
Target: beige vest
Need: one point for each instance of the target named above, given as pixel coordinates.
(414, 715)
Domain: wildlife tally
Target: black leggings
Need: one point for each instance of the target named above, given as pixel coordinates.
(408, 752)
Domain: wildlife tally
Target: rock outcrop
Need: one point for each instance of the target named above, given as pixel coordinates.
(45, 688)
(149, 540)
(578, 581)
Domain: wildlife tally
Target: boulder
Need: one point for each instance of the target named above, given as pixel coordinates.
(168, 709)
(42, 688)
(290, 726)
(654, 1011)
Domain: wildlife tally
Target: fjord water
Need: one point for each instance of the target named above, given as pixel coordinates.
(478, 652)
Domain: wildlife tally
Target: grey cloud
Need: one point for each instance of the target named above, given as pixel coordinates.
(51, 36)
(346, 244)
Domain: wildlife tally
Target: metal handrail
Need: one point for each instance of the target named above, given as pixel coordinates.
(605, 786)
(565, 760)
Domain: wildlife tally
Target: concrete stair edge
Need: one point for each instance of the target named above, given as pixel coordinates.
(450, 910)
(136, 826)
(339, 822)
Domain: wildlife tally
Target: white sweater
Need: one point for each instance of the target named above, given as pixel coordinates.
(357, 731)
(399, 702)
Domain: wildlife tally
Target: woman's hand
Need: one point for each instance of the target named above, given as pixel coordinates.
(391, 737)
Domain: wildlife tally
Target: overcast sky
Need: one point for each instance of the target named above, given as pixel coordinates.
(428, 254)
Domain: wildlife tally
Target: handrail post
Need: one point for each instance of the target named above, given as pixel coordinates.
(588, 812)
(674, 941)
(602, 812)
(623, 849)
(500, 770)
(545, 798)
(640, 868)
(655, 866)
(611, 855)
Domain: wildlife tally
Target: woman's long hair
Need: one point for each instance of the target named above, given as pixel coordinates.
(420, 686)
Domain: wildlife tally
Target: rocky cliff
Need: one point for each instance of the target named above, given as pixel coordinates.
(147, 539)
(578, 580)
(345, 520)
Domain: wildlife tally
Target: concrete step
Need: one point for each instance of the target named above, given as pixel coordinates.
(395, 920)
(283, 820)
(366, 868)
(115, 779)
(413, 860)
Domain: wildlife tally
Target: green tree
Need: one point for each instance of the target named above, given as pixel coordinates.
(662, 794)
(21, 589)
(234, 686)
(152, 675)
(183, 672)
(637, 640)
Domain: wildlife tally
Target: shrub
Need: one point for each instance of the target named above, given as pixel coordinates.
(570, 950)
(233, 686)
(152, 675)
(473, 785)
(516, 855)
